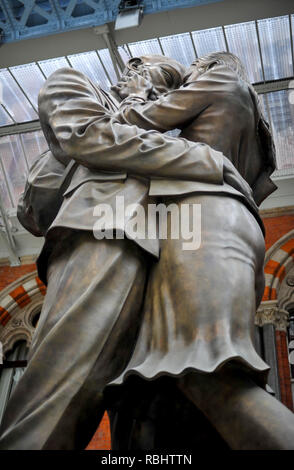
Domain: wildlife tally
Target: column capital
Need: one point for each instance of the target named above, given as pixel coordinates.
(269, 313)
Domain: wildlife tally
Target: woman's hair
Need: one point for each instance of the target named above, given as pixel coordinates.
(226, 58)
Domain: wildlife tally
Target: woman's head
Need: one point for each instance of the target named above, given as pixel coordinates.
(203, 64)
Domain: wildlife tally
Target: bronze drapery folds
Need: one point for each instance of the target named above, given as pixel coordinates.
(123, 311)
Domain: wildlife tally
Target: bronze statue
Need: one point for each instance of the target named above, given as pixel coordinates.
(91, 331)
(91, 313)
(198, 318)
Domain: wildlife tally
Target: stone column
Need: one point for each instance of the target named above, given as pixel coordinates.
(271, 324)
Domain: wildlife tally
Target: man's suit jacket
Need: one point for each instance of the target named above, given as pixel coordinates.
(112, 160)
(220, 109)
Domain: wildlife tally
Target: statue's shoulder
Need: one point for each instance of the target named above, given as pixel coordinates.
(64, 77)
(67, 81)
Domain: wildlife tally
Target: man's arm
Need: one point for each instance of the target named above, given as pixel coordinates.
(77, 125)
(177, 107)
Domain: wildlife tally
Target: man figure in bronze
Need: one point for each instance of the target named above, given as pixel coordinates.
(91, 312)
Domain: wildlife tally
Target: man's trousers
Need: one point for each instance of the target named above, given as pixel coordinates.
(84, 339)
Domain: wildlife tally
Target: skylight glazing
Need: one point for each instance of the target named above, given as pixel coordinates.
(243, 42)
(275, 43)
(89, 64)
(209, 40)
(51, 65)
(179, 47)
(151, 46)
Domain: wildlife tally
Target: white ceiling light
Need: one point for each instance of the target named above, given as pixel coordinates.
(130, 13)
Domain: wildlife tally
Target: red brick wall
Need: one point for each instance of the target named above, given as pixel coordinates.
(9, 274)
(276, 227)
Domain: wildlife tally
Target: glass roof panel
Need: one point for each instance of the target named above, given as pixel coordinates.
(125, 54)
(276, 47)
(14, 164)
(7, 203)
(264, 107)
(34, 143)
(145, 47)
(49, 66)
(5, 119)
(14, 100)
(179, 47)
(30, 79)
(209, 40)
(89, 64)
(282, 118)
(243, 42)
(107, 62)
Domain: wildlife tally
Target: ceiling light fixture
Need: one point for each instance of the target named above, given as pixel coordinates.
(130, 13)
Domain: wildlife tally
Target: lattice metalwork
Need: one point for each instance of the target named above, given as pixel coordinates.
(23, 19)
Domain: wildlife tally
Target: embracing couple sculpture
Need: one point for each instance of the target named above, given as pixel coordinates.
(139, 325)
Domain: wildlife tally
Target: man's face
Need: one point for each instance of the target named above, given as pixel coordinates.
(163, 76)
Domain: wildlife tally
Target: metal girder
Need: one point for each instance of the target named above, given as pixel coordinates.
(29, 126)
(23, 19)
(109, 40)
(273, 85)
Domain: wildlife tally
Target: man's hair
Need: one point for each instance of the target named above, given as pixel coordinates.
(226, 58)
(178, 69)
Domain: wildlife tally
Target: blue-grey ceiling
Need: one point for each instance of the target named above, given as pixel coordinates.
(23, 19)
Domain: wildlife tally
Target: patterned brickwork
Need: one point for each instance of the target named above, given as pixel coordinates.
(19, 297)
(276, 268)
(284, 370)
(9, 274)
(276, 227)
(280, 262)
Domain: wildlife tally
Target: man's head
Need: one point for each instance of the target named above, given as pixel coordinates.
(203, 64)
(163, 72)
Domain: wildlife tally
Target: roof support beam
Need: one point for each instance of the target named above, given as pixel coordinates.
(29, 126)
(108, 38)
(272, 85)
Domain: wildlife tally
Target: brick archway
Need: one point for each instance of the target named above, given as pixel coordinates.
(278, 262)
(19, 302)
